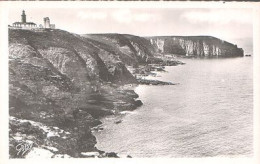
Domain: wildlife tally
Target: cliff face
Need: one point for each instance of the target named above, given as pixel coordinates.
(62, 82)
(201, 46)
(128, 48)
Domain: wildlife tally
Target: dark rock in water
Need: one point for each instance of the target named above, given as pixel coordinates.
(153, 82)
(119, 121)
(111, 155)
(128, 156)
(172, 63)
(131, 93)
(138, 103)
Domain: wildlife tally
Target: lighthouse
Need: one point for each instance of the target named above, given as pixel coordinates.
(23, 17)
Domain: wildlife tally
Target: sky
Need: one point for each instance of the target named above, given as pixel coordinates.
(232, 25)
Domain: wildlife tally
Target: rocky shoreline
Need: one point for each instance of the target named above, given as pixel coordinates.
(38, 140)
(154, 82)
(58, 141)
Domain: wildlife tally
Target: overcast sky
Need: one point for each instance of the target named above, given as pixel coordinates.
(233, 25)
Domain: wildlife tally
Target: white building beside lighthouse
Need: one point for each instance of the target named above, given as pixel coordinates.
(47, 23)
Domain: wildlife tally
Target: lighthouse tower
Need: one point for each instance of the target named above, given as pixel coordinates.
(23, 17)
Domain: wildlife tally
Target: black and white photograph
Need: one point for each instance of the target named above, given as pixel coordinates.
(130, 82)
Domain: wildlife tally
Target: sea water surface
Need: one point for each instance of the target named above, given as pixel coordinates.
(209, 113)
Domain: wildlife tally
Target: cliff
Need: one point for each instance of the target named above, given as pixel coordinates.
(60, 84)
(128, 48)
(200, 46)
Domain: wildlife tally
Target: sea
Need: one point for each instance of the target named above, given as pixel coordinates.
(209, 113)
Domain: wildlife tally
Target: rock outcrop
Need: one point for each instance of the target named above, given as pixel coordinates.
(198, 46)
(154, 82)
